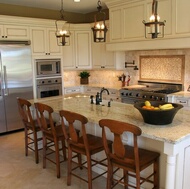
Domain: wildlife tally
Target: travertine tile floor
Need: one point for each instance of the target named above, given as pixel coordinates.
(20, 172)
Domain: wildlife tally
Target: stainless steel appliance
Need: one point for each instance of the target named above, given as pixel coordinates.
(15, 81)
(49, 87)
(48, 67)
(152, 91)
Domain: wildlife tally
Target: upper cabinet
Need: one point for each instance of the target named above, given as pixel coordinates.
(44, 41)
(182, 17)
(78, 53)
(14, 32)
(83, 49)
(101, 58)
(127, 29)
(126, 22)
(126, 19)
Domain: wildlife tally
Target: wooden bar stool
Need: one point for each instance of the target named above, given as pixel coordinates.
(86, 145)
(31, 127)
(52, 136)
(131, 159)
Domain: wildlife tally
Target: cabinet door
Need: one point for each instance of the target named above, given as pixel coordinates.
(97, 55)
(83, 49)
(116, 24)
(102, 58)
(38, 37)
(133, 15)
(69, 54)
(165, 13)
(182, 18)
(16, 32)
(52, 46)
(1, 31)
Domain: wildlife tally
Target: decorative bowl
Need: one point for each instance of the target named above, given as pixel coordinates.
(158, 117)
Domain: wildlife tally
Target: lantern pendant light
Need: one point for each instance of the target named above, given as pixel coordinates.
(100, 28)
(62, 34)
(154, 28)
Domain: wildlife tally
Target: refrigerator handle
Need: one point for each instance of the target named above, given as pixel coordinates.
(5, 81)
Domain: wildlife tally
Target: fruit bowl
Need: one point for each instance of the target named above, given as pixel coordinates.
(158, 117)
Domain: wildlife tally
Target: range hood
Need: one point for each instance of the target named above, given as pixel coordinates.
(13, 42)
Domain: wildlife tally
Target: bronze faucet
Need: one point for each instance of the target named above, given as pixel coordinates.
(102, 90)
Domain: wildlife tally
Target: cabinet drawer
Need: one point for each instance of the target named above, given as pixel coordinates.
(72, 90)
(183, 101)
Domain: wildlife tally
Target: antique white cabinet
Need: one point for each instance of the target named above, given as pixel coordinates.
(83, 49)
(78, 55)
(72, 90)
(14, 32)
(102, 59)
(127, 29)
(44, 41)
(113, 93)
(126, 19)
(182, 17)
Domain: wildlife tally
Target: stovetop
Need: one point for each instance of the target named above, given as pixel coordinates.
(150, 91)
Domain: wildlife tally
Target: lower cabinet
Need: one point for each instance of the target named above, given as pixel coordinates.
(72, 90)
(185, 101)
(113, 93)
(186, 173)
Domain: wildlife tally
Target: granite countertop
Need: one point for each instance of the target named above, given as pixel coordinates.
(173, 133)
(108, 86)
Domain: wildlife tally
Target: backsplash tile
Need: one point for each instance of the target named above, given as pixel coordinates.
(161, 68)
(109, 77)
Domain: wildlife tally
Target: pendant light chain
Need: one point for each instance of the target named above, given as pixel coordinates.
(62, 11)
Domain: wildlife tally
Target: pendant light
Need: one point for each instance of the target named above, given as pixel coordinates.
(62, 34)
(154, 28)
(100, 28)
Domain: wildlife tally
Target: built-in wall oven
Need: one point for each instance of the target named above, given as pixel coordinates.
(49, 87)
(48, 77)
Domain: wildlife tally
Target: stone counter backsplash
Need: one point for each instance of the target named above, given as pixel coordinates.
(103, 77)
(106, 77)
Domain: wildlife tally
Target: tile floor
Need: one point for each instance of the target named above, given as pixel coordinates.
(20, 172)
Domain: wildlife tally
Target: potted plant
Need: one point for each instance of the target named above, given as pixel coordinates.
(84, 75)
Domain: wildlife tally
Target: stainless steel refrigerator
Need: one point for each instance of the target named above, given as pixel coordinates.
(15, 81)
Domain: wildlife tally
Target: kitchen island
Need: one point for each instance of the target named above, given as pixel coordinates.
(172, 141)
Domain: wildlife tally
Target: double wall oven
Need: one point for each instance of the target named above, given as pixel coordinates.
(151, 91)
(48, 77)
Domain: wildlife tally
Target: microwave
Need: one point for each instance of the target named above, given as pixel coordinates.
(48, 67)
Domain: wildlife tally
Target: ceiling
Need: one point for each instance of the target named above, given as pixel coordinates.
(84, 6)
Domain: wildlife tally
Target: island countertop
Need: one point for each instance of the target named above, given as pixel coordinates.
(172, 133)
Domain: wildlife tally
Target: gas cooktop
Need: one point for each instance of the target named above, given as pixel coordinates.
(152, 91)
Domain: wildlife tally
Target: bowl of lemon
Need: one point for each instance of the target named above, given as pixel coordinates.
(158, 113)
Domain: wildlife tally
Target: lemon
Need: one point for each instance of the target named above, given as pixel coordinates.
(147, 103)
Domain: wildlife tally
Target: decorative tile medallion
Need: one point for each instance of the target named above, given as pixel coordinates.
(162, 68)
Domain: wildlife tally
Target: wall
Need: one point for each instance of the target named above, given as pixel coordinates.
(134, 55)
(109, 77)
(14, 10)
(106, 77)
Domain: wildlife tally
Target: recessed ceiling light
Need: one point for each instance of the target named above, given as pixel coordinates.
(77, 1)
